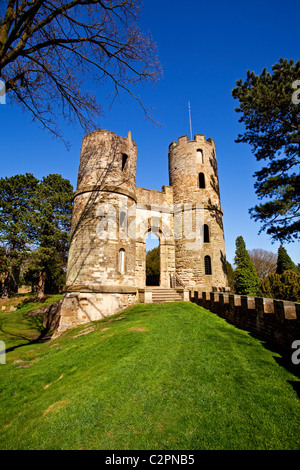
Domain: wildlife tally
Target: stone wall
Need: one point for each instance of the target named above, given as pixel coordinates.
(83, 307)
(51, 315)
(188, 160)
(276, 321)
(105, 189)
(102, 257)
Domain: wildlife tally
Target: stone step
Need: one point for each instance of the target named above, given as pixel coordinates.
(166, 299)
(162, 298)
(164, 289)
(165, 295)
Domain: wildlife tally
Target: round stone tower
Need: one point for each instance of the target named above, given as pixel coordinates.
(101, 262)
(199, 238)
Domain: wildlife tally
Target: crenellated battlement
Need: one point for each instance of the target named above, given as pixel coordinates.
(198, 138)
(274, 320)
(106, 133)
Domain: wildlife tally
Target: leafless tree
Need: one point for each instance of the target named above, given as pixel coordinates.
(51, 49)
(264, 261)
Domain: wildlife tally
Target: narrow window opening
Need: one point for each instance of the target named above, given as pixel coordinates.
(205, 233)
(122, 219)
(207, 265)
(123, 224)
(124, 161)
(122, 261)
(199, 156)
(201, 181)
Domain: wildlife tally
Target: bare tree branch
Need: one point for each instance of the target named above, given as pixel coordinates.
(48, 48)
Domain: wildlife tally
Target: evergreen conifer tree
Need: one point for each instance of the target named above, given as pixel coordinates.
(16, 209)
(284, 262)
(271, 119)
(35, 219)
(246, 278)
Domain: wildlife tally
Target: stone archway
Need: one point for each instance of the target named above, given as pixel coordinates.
(147, 222)
(164, 254)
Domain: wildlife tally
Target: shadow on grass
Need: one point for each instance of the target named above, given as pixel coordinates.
(283, 358)
(36, 323)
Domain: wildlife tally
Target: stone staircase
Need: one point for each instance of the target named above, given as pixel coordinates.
(160, 294)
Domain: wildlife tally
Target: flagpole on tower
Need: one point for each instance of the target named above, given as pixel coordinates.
(190, 121)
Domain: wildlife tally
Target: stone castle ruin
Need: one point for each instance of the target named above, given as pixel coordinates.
(112, 218)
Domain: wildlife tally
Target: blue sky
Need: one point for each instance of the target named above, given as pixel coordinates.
(204, 47)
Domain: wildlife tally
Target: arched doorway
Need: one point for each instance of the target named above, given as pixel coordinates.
(152, 260)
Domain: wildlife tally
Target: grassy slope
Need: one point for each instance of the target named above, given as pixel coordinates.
(160, 376)
(20, 328)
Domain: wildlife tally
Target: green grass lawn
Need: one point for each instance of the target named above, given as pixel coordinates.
(20, 327)
(161, 376)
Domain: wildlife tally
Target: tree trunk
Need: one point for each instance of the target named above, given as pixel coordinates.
(41, 286)
(10, 285)
(4, 292)
(15, 276)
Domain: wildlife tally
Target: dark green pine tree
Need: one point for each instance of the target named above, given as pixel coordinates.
(51, 226)
(16, 209)
(284, 262)
(246, 280)
(35, 219)
(270, 112)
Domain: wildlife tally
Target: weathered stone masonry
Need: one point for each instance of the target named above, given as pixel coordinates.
(112, 218)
